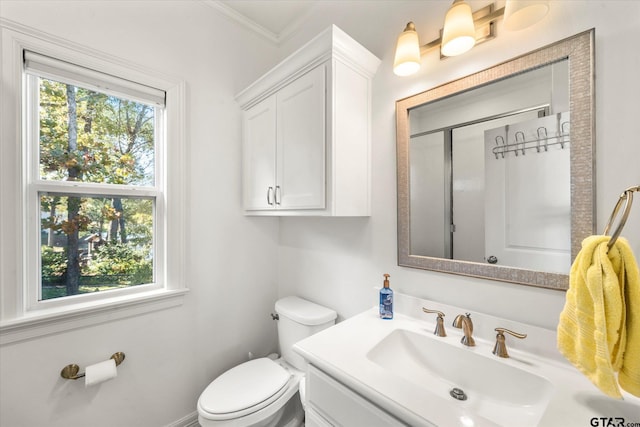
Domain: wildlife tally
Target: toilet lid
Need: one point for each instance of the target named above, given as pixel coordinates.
(244, 386)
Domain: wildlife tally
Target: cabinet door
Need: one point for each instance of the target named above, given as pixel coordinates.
(300, 133)
(259, 152)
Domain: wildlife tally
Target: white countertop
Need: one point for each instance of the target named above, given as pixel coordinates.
(341, 351)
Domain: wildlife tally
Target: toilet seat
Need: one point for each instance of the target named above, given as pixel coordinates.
(244, 389)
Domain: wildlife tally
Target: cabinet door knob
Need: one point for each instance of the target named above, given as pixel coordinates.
(269, 191)
(277, 194)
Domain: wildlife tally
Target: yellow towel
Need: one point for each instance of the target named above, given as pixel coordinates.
(599, 328)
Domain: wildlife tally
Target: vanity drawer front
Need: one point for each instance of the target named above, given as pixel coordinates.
(341, 406)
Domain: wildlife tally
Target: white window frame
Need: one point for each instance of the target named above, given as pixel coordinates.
(41, 66)
(22, 316)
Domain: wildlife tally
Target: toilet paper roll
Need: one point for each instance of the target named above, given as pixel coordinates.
(100, 372)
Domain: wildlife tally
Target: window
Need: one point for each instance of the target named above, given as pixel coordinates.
(93, 143)
(92, 176)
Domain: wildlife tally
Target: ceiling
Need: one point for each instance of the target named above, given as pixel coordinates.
(272, 19)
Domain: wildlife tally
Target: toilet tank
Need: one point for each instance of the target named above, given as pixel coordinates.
(300, 319)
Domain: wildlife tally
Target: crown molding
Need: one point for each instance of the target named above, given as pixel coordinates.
(239, 18)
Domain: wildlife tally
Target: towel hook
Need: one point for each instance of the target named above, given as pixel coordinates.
(627, 197)
(542, 134)
(523, 142)
(564, 131)
(497, 149)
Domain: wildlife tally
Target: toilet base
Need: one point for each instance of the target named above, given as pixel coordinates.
(292, 414)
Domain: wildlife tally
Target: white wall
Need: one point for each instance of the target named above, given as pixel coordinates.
(173, 354)
(338, 261)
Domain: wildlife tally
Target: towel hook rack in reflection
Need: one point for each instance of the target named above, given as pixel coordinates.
(627, 197)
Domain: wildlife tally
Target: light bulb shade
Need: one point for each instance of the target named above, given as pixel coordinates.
(407, 59)
(459, 33)
(520, 14)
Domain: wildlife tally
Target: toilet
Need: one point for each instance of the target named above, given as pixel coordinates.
(264, 392)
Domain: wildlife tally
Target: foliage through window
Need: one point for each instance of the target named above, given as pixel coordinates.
(96, 184)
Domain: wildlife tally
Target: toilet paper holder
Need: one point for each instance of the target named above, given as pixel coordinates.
(70, 372)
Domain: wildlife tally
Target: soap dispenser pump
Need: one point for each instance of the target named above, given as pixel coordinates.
(386, 300)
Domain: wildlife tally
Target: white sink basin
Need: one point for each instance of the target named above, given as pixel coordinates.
(494, 389)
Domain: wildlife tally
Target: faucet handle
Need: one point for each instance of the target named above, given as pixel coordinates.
(439, 331)
(500, 349)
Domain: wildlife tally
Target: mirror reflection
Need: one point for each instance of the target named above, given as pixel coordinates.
(495, 170)
(489, 173)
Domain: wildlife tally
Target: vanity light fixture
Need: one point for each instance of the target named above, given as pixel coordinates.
(459, 32)
(520, 14)
(407, 58)
(461, 28)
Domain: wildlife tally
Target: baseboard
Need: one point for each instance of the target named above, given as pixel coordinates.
(189, 420)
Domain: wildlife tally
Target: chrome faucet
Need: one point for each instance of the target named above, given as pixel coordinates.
(464, 322)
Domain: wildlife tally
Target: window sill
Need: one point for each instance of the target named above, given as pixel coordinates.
(33, 325)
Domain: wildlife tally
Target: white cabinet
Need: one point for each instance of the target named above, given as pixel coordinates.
(284, 147)
(307, 132)
(330, 403)
(259, 154)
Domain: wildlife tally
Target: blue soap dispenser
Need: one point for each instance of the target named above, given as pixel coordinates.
(386, 300)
